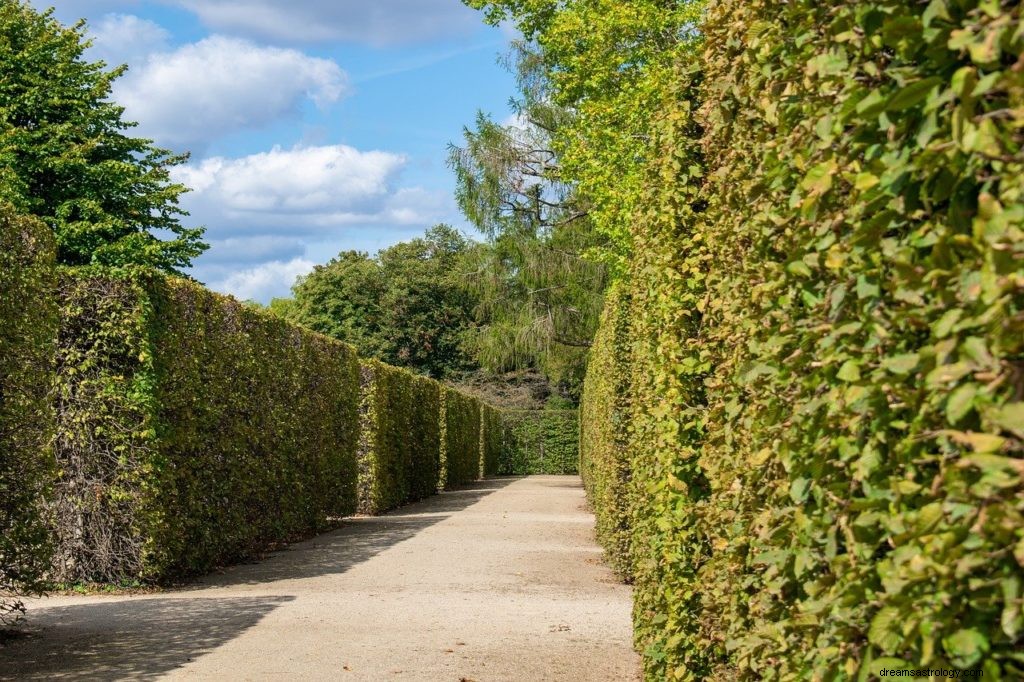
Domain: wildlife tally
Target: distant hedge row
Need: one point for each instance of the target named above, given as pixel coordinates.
(28, 330)
(400, 438)
(824, 422)
(604, 430)
(539, 442)
(193, 431)
(460, 439)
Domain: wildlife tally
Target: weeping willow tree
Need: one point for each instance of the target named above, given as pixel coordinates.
(540, 288)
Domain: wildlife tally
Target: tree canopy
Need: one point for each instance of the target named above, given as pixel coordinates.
(66, 156)
(407, 305)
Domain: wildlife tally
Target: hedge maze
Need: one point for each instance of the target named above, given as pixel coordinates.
(154, 430)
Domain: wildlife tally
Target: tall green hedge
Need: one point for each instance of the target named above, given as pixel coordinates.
(28, 330)
(460, 439)
(539, 442)
(192, 431)
(400, 438)
(604, 430)
(827, 427)
(491, 444)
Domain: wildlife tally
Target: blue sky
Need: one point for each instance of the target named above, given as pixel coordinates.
(315, 126)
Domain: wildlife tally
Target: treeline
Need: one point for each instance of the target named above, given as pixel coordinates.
(803, 427)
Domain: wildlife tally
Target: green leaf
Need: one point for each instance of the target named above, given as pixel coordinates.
(966, 647)
(960, 402)
(912, 94)
(850, 371)
(902, 364)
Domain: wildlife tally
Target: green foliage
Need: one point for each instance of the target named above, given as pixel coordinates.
(407, 306)
(826, 339)
(604, 431)
(192, 431)
(538, 294)
(400, 438)
(28, 331)
(607, 62)
(65, 157)
(460, 439)
(539, 442)
(491, 435)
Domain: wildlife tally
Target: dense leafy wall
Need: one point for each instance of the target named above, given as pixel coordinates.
(539, 442)
(192, 431)
(28, 330)
(491, 444)
(604, 430)
(827, 427)
(400, 438)
(460, 441)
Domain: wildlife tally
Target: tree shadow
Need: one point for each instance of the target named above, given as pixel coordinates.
(358, 539)
(136, 638)
(142, 638)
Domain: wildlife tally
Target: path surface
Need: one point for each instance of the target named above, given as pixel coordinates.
(501, 581)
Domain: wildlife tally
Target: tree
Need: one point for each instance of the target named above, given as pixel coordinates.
(66, 158)
(406, 306)
(539, 278)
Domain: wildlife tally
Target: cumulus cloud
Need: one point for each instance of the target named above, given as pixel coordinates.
(124, 38)
(264, 282)
(305, 190)
(375, 22)
(270, 214)
(186, 98)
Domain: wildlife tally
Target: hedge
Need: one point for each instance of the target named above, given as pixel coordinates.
(400, 438)
(460, 439)
(192, 431)
(28, 330)
(491, 440)
(604, 430)
(827, 440)
(539, 442)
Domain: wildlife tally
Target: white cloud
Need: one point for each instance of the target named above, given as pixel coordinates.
(375, 22)
(125, 38)
(264, 282)
(304, 190)
(270, 215)
(186, 98)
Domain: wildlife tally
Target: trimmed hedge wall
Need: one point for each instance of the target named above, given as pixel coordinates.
(192, 431)
(604, 430)
(28, 330)
(460, 439)
(827, 427)
(540, 442)
(491, 440)
(400, 438)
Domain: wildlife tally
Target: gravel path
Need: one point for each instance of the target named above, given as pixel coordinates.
(499, 581)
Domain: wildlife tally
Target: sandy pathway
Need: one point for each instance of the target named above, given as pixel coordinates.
(501, 581)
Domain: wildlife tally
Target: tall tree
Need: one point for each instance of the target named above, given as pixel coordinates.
(406, 306)
(539, 278)
(66, 157)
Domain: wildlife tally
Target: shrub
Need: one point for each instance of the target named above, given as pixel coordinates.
(192, 431)
(460, 441)
(540, 442)
(28, 330)
(604, 430)
(400, 439)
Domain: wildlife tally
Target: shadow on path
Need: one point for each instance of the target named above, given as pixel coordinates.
(357, 540)
(138, 638)
(143, 638)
